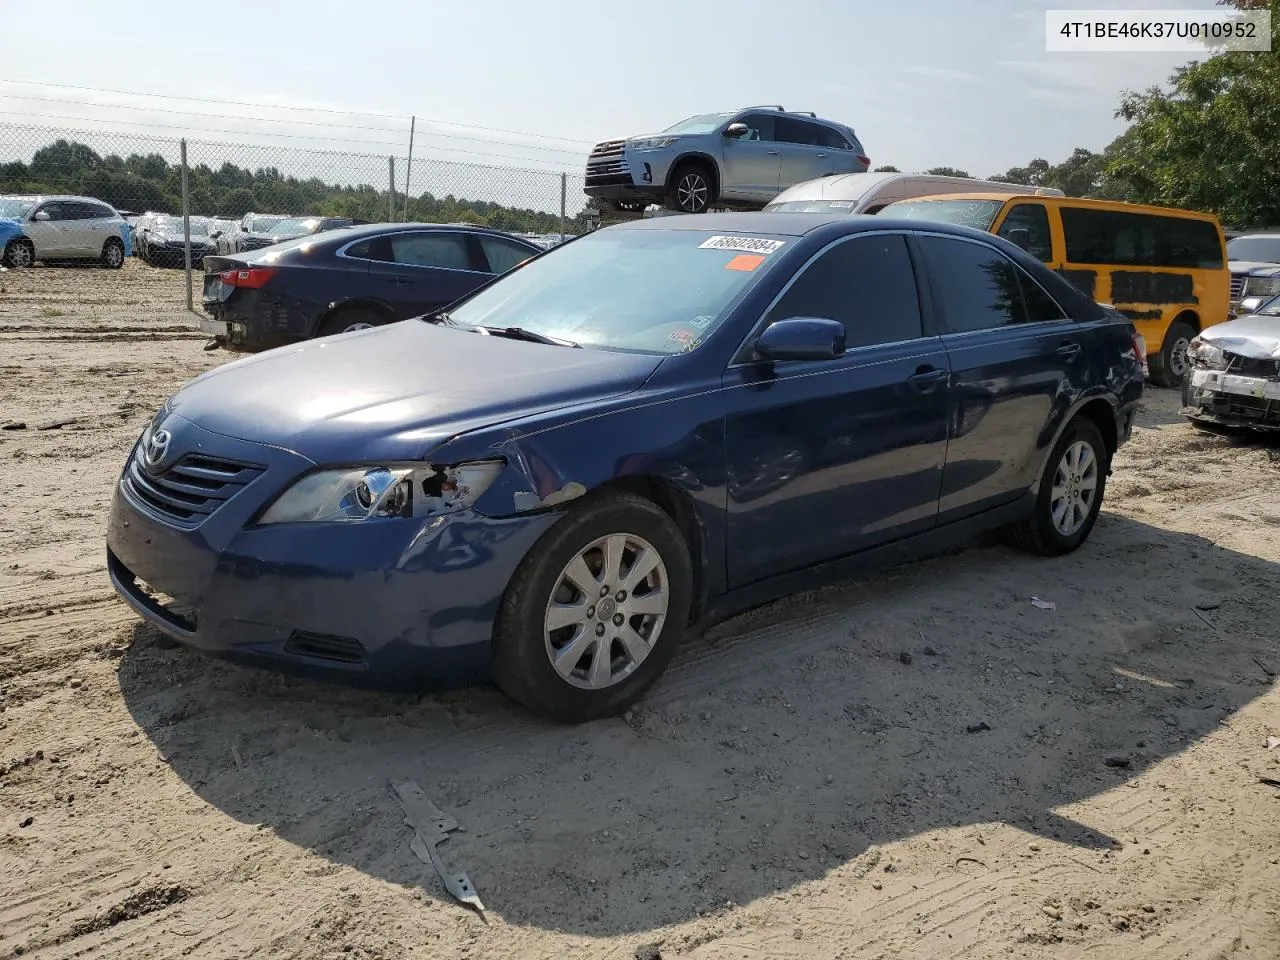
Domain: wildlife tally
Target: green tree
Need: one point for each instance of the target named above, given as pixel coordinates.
(886, 169)
(236, 203)
(947, 172)
(1032, 175)
(1211, 141)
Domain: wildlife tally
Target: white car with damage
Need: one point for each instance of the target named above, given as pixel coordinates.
(1233, 377)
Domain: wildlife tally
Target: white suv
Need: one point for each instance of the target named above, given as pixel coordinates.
(61, 228)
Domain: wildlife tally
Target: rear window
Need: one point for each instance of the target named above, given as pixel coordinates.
(979, 214)
(1122, 238)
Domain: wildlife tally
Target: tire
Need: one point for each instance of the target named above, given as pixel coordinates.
(523, 647)
(1041, 533)
(689, 188)
(1170, 364)
(19, 254)
(113, 254)
(345, 321)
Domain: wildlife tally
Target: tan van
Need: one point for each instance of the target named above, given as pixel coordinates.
(870, 192)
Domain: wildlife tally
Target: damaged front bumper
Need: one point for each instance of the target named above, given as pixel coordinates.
(1230, 399)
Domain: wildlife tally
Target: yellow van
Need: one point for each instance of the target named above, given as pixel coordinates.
(1165, 269)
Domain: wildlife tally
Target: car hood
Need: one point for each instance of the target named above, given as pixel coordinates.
(1254, 335)
(398, 391)
(1252, 266)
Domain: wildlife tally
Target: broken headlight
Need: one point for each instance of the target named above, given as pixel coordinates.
(383, 492)
(1205, 354)
(1262, 286)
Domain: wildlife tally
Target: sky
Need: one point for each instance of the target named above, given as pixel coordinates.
(533, 85)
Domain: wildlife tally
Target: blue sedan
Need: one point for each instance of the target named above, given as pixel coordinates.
(640, 431)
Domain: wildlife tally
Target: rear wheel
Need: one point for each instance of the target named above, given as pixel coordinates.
(19, 254)
(1170, 364)
(595, 611)
(347, 321)
(689, 189)
(113, 254)
(1070, 493)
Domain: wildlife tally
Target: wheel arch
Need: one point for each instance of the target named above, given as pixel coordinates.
(338, 307)
(1100, 409)
(705, 160)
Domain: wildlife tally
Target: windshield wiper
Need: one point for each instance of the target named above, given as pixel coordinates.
(522, 333)
(438, 317)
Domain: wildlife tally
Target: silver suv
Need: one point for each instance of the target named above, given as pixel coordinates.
(49, 229)
(738, 160)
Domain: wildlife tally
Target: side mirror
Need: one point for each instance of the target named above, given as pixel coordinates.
(42, 216)
(1251, 304)
(1020, 236)
(734, 130)
(801, 338)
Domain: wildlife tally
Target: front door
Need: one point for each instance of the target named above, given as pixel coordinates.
(47, 226)
(827, 458)
(1017, 364)
(752, 162)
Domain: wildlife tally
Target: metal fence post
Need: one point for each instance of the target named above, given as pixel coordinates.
(564, 192)
(391, 194)
(408, 167)
(186, 223)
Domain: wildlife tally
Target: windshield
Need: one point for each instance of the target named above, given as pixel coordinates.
(16, 207)
(979, 214)
(700, 124)
(294, 225)
(263, 224)
(1260, 249)
(1270, 308)
(813, 206)
(634, 290)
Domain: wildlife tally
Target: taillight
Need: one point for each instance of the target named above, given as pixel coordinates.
(1140, 350)
(864, 160)
(250, 279)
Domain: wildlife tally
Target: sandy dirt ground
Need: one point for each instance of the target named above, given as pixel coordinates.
(919, 765)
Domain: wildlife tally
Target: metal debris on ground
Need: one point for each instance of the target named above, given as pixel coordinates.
(1273, 742)
(1043, 604)
(431, 828)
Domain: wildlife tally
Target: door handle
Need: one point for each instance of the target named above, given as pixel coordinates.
(399, 280)
(823, 155)
(772, 153)
(926, 378)
(1069, 350)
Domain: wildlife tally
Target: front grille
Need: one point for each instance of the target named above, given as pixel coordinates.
(322, 647)
(608, 164)
(191, 489)
(1252, 366)
(1237, 287)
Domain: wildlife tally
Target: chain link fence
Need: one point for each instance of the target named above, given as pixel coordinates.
(140, 174)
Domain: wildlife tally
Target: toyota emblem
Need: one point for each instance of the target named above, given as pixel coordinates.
(156, 446)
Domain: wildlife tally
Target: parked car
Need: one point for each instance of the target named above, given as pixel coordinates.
(51, 229)
(295, 227)
(1163, 268)
(851, 193)
(538, 486)
(348, 279)
(1254, 262)
(164, 241)
(741, 160)
(252, 232)
(1234, 375)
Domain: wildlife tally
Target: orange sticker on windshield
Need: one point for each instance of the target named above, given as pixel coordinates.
(746, 262)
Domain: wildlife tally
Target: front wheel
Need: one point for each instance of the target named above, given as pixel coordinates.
(1170, 364)
(595, 611)
(1070, 493)
(347, 321)
(19, 254)
(113, 254)
(689, 189)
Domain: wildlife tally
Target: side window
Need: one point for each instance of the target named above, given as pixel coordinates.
(56, 211)
(1033, 218)
(759, 127)
(832, 139)
(792, 130)
(867, 283)
(102, 212)
(1038, 306)
(502, 254)
(435, 249)
(1183, 242)
(371, 248)
(976, 286)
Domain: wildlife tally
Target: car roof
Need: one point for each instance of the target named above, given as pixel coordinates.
(1260, 236)
(359, 230)
(794, 224)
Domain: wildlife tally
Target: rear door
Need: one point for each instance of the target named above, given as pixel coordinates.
(825, 458)
(418, 271)
(1017, 365)
(803, 155)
